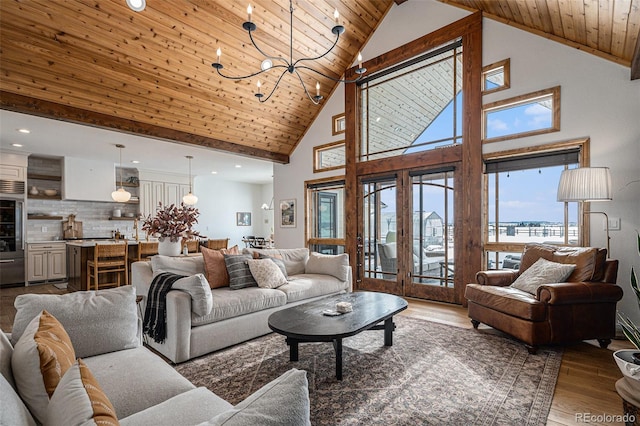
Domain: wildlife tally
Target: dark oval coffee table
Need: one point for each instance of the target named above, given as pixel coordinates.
(307, 323)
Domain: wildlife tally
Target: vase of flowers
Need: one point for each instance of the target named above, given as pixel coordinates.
(171, 224)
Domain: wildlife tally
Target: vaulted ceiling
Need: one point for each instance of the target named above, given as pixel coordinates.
(149, 73)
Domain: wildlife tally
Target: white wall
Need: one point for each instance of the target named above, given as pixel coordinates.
(598, 100)
(219, 201)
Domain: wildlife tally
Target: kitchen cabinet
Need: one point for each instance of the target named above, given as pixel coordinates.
(152, 193)
(46, 262)
(88, 180)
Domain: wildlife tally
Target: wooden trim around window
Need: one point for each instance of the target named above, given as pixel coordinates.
(506, 65)
(555, 114)
(338, 124)
(317, 149)
(307, 206)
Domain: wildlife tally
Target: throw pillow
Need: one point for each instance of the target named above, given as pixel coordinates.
(266, 273)
(329, 264)
(239, 272)
(97, 321)
(275, 259)
(214, 266)
(80, 400)
(40, 358)
(198, 288)
(6, 350)
(283, 401)
(542, 272)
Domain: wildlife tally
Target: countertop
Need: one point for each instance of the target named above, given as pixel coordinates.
(91, 243)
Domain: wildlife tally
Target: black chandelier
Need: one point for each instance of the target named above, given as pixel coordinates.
(289, 66)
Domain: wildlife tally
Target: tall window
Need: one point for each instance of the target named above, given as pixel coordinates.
(522, 207)
(325, 207)
(413, 106)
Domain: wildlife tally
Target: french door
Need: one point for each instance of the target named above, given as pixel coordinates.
(406, 236)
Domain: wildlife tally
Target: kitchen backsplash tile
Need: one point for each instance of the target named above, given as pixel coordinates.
(93, 215)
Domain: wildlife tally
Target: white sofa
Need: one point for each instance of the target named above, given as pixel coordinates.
(240, 315)
(143, 388)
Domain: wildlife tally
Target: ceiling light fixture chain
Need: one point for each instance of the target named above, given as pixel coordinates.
(190, 199)
(290, 66)
(120, 195)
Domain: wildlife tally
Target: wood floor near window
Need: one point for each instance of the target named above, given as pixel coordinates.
(586, 383)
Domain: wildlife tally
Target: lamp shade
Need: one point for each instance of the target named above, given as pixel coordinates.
(120, 195)
(585, 184)
(189, 199)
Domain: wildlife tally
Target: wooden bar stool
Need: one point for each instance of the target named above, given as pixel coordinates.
(108, 259)
(146, 249)
(218, 244)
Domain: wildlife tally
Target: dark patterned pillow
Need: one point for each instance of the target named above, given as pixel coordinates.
(279, 263)
(239, 272)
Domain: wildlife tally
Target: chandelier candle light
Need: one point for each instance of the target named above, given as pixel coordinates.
(288, 65)
(120, 195)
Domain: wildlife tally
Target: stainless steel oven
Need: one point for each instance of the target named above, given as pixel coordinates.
(12, 233)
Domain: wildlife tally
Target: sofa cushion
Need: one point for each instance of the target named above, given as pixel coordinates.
(79, 400)
(508, 300)
(198, 288)
(305, 286)
(334, 265)
(533, 252)
(136, 379)
(83, 315)
(283, 401)
(294, 259)
(266, 273)
(585, 260)
(6, 350)
(40, 358)
(228, 303)
(215, 268)
(542, 272)
(13, 410)
(183, 265)
(189, 408)
(239, 272)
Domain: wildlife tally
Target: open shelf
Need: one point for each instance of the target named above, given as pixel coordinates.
(43, 217)
(45, 197)
(44, 177)
(122, 218)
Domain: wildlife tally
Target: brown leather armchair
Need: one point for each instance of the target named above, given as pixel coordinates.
(582, 308)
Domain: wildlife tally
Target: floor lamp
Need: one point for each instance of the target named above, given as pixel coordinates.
(587, 184)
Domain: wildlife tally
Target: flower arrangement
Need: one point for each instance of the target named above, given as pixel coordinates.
(172, 222)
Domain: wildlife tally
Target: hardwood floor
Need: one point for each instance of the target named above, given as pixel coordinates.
(586, 383)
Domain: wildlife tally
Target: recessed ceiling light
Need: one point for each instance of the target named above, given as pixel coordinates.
(136, 5)
(238, 166)
(24, 130)
(214, 172)
(17, 145)
(135, 161)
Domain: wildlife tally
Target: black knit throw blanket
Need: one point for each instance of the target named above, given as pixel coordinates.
(155, 314)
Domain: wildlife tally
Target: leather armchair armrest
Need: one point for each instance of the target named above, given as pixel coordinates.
(581, 292)
(501, 278)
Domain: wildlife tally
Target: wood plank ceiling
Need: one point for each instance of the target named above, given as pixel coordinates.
(150, 73)
(606, 28)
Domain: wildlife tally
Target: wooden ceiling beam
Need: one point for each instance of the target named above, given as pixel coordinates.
(32, 106)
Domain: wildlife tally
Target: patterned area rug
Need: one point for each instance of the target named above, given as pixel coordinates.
(433, 374)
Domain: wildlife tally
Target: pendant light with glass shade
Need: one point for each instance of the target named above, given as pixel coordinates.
(120, 195)
(189, 199)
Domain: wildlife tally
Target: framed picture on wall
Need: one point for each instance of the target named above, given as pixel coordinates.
(288, 213)
(243, 219)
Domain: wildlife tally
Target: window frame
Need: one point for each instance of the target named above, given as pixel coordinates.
(520, 100)
(506, 69)
(309, 237)
(317, 150)
(583, 219)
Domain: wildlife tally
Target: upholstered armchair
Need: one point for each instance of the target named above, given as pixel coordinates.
(539, 308)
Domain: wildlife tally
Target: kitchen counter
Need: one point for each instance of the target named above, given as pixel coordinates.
(93, 242)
